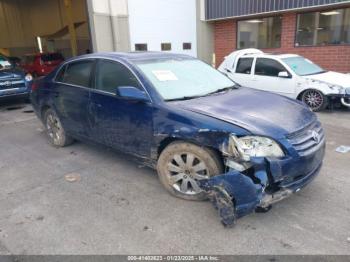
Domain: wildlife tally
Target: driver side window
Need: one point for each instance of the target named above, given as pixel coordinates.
(111, 75)
(268, 67)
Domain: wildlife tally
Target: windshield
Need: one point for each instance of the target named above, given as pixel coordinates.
(302, 66)
(177, 79)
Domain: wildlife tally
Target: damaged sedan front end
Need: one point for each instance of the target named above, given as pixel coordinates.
(260, 173)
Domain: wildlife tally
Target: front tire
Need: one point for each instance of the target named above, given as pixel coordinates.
(54, 130)
(181, 164)
(315, 99)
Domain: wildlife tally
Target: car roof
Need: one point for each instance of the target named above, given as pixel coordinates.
(135, 56)
(271, 55)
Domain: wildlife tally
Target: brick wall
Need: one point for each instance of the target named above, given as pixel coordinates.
(336, 58)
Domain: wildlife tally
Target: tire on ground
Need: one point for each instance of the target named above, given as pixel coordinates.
(325, 100)
(63, 139)
(210, 158)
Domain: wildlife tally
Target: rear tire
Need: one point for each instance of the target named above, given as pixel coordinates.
(181, 164)
(54, 130)
(315, 99)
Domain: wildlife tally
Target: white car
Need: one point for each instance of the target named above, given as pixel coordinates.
(289, 75)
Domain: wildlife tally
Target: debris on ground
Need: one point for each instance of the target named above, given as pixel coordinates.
(343, 149)
(72, 177)
(40, 218)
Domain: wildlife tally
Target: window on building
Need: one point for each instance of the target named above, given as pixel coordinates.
(111, 75)
(244, 65)
(187, 46)
(323, 28)
(166, 46)
(259, 33)
(141, 47)
(78, 73)
(268, 67)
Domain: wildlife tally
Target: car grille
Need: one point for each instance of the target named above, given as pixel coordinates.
(13, 83)
(309, 140)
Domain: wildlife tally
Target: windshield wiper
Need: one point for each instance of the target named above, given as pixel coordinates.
(182, 98)
(236, 86)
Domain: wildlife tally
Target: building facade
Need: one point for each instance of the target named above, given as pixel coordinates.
(177, 26)
(316, 29)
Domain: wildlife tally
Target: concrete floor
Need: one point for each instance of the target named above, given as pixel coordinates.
(118, 207)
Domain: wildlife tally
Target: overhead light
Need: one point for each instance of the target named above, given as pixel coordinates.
(38, 39)
(255, 21)
(330, 13)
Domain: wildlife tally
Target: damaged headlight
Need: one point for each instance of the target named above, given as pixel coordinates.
(254, 146)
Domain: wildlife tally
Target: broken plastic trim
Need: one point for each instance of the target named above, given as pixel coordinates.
(235, 194)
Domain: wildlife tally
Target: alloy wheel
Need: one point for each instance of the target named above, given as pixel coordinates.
(184, 170)
(54, 129)
(314, 99)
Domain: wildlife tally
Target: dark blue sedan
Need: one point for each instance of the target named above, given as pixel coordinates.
(206, 136)
(13, 81)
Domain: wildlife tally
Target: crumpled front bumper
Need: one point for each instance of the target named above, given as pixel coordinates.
(344, 98)
(235, 194)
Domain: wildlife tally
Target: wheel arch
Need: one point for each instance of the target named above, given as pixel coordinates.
(43, 109)
(169, 140)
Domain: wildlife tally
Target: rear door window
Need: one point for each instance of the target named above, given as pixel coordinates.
(244, 65)
(78, 73)
(268, 67)
(111, 75)
(60, 74)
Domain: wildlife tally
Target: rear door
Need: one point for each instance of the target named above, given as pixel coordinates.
(71, 95)
(117, 122)
(265, 77)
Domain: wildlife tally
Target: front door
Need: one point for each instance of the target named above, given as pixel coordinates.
(265, 77)
(123, 124)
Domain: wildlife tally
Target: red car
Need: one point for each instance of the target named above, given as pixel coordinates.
(41, 64)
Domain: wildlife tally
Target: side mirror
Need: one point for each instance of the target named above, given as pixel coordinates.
(132, 93)
(283, 74)
(228, 70)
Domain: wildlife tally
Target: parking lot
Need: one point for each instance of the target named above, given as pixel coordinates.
(115, 206)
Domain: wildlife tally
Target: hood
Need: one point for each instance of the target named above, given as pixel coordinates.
(333, 78)
(11, 73)
(261, 113)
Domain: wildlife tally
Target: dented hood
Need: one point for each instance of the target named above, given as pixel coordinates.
(332, 78)
(261, 113)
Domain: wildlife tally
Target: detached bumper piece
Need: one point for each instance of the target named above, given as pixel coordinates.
(235, 194)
